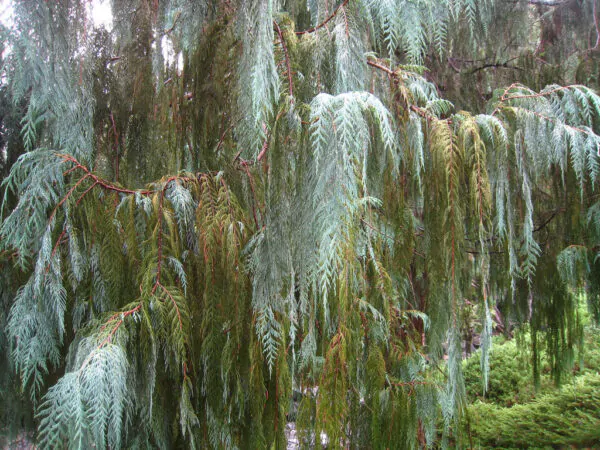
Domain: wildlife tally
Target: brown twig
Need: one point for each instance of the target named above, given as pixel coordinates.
(177, 16)
(85, 192)
(346, 24)
(322, 24)
(505, 96)
(265, 145)
(67, 195)
(287, 59)
(101, 182)
(495, 66)
(387, 70)
(551, 119)
(55, 249)
(237, 156)
(548, 220)
(223, 134)
(121, 316)
(420, 111)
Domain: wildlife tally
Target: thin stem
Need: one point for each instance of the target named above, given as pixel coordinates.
(322, 24)
(536, 95)
(67, 195)
(104, 183)
(85, 192)
(166, 291)
(121, 316)
(287, 59)
(382, 67)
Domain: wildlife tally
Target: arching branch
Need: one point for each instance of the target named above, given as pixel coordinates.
(322, 24)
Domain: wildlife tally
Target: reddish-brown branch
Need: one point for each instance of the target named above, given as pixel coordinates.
(58, 242)
(322, 24)
(185, 370)
(85, 192)
(410, 385)
(222, 139)
(237, 156)
(67, 195)
(55, 249)
(505, 96)
(265, 145)
(121, 316)
(71, 170)
(111, 187)
(382, 67)
(427, 115)
(287, 59)
(103, 183)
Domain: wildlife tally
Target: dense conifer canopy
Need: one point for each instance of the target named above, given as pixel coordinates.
(213, 206)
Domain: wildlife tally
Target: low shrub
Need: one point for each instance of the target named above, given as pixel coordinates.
(569, 416)
(510, 379)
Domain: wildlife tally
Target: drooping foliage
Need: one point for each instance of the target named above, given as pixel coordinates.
(218, 204)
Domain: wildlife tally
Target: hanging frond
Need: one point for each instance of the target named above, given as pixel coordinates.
(37, 178)
(572, 264)
(340, 140)
(411, 26)
(89, 405)
(349, 57)
(258, 78)
(556, 118)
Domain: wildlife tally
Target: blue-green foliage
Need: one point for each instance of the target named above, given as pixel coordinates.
(89, 405)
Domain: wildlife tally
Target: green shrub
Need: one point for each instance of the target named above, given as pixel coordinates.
(510, 380)
(591, 349)
(511, 377)
(565, 417)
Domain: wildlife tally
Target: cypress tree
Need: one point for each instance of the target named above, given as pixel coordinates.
(211, 205)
